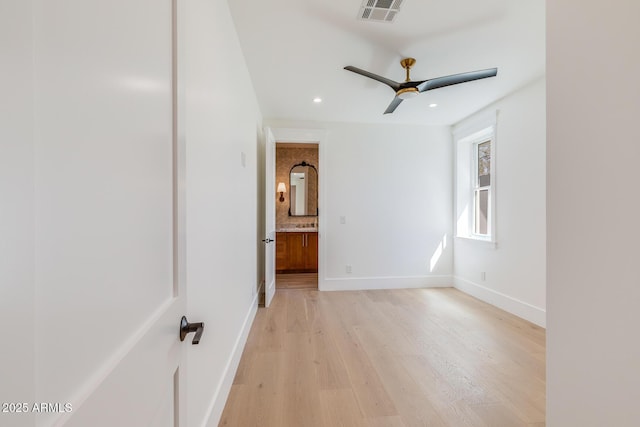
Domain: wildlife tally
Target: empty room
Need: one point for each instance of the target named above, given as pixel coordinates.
(336, 213)
(429, 215)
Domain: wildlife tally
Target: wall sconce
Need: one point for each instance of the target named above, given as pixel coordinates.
(282, 189)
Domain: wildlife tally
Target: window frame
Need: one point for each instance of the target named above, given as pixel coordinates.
(466, 137)
(476, 188)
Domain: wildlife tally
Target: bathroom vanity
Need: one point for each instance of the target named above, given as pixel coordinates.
(297, 251)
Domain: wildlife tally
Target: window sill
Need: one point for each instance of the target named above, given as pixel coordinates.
(481, 241)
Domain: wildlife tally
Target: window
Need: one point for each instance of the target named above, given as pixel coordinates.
(482, 188)
(475, 147)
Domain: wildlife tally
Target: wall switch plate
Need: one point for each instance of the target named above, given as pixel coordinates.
(348, 268)
(483, 276)
(343, 220)
(243, 159)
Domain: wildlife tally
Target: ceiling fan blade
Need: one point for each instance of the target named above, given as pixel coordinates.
(394, 104)
(455, 79)
(394, 85)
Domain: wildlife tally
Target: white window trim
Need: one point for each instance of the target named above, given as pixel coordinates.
(466, 135)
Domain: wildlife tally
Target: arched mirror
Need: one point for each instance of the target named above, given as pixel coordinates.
(303, 190)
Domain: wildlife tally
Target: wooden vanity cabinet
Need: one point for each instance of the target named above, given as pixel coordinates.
(281, 252)
(296, 252)
(311, 252)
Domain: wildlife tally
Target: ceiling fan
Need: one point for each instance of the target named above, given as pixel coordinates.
(409, 89)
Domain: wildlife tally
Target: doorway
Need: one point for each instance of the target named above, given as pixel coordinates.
(297, 172)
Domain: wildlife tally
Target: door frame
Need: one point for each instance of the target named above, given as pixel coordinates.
(312, 136)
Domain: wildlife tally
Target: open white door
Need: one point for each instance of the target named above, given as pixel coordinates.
(110, 214)
(270, 218)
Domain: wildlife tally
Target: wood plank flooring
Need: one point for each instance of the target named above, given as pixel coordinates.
(297, 281)
(403, 358)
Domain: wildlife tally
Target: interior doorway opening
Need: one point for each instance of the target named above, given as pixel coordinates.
(297, 172)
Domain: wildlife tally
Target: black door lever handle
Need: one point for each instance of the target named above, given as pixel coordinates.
(187, 328)
(267, 240)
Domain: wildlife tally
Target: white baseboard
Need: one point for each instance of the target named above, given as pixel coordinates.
(512, 305)
(365, 283)
(214, 412)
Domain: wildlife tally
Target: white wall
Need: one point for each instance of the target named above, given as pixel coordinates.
(593, 352)
(17, 382)
(223, 122)
(392, 184)
(515, 267)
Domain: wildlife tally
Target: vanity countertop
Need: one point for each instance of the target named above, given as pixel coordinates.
(294, 229)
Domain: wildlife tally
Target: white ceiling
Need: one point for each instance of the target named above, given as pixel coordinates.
(296, 50)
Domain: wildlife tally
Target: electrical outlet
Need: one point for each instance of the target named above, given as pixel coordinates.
(348, 268)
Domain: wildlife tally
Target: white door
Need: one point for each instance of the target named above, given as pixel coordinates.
(270, 218)
(109, 242)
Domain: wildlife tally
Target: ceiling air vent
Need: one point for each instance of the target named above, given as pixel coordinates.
(379, 10)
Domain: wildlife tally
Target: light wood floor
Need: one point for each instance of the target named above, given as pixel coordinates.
(297, 281)
(419, 357)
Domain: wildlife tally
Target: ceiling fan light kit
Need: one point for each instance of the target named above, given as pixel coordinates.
(408, 92)
(410, 89)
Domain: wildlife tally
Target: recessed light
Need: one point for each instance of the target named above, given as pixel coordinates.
(317, 100)
(433, 105)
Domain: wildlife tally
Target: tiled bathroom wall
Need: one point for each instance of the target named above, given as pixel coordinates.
(288, 155)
